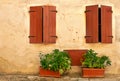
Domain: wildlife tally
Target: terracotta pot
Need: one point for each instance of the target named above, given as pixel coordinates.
(48, 73)
(92, 72)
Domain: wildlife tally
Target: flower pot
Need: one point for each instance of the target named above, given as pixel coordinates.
(48, 73)
(92, 72)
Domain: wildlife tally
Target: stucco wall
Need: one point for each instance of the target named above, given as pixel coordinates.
(17, 55)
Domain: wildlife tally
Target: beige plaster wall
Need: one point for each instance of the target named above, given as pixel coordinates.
(17, 55)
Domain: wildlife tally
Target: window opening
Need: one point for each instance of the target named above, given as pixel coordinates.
(99, 25)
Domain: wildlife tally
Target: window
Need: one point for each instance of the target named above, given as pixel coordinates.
(98, 24)
(42, 24)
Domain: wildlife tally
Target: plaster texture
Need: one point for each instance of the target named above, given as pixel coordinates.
(18, 56)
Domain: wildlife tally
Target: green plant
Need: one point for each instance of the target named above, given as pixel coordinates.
(56, 61)
(91, 60)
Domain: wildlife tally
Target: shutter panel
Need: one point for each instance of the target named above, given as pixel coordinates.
(76, 56)
(52, 24)
(49, 24)
(45, 24)
(35, 24)
(106, 24)
(91, 24)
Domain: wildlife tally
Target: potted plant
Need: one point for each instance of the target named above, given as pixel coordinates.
(93, 65)
(55, 63)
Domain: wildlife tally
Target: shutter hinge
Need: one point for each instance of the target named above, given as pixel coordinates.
(87, 36)
(110, 36)
(87, 11)
(110, 11)
(31, 36)
(31, 11)
(54, 36)
(53, 11)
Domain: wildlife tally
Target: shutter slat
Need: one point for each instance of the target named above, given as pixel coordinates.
(35, 24)
(91, 24)
(106, 24)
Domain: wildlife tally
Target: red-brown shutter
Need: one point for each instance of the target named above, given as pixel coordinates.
(106, 24)
(76, 56)
(49, 24)
(36, 24)
(91, 24)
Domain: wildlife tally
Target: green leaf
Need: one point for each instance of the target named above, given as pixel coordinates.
(94, 61)
(56, 61)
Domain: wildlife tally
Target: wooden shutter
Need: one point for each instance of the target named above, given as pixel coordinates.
(49, 24)
(76, 56)
(106, 24)
(36, 24)
(91, 24)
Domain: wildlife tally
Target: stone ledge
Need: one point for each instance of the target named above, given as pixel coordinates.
(71, 77)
